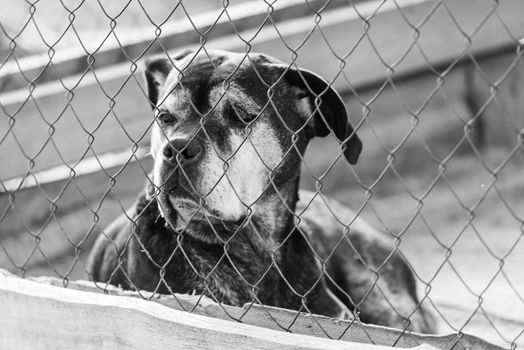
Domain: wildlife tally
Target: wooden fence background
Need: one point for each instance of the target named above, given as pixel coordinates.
(111, 92)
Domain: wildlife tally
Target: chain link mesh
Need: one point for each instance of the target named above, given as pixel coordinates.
(441, 172)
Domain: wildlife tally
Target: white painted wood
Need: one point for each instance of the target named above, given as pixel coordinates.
(279, 319)
(42, 316)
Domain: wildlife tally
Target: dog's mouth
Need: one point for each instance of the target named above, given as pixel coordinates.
(185, 210)
(189, 210)
(181, 210)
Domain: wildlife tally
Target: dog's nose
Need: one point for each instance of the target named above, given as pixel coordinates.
(185, 150)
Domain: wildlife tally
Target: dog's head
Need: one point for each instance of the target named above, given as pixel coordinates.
(230, 130)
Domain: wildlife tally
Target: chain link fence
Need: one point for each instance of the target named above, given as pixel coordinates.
(434, 92)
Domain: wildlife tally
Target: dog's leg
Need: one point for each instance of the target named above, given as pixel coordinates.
(386, 298)
(389, 300)
(106, 259)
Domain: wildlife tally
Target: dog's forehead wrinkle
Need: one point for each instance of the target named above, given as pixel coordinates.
(172, 101)
(236, 95)
(184, 104)
(203, 85)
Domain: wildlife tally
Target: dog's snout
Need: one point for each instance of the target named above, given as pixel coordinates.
(185, 150)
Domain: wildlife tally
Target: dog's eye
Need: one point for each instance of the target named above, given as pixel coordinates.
(248, 117)
(165, 118)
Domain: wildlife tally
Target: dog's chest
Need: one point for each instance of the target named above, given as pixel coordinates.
(233, 274)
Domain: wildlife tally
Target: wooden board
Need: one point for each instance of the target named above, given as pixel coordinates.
(88, 315)
(496, 93)
(39, 315)
(177, 31)
(109, 111)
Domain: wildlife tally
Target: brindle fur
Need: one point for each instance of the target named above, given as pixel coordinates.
(270, 257)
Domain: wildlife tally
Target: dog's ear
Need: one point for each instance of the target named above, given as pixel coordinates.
(325, 109)
(156, 72)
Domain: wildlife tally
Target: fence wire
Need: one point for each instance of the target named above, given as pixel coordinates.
(218, 141)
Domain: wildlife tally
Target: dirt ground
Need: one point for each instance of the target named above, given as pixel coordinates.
(458, 216)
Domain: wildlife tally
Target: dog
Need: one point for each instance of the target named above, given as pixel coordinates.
(221, 215)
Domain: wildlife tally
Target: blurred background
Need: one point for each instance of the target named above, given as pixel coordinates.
(435, 88)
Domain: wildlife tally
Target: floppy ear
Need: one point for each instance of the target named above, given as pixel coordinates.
(157, 70)
(328, 109)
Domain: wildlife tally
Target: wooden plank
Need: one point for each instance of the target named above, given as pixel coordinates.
(175, 33)
(45, 316)
(89, 165)
(109, 111)
(495, 89)
(283, 320)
